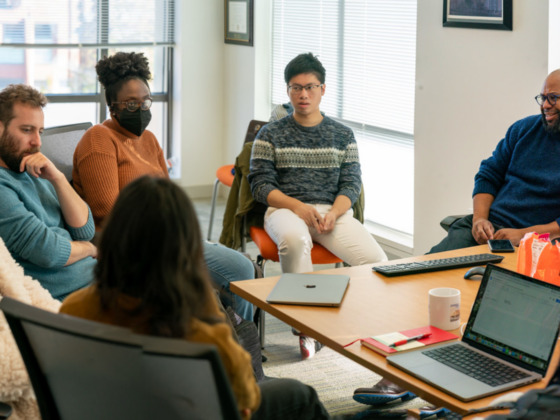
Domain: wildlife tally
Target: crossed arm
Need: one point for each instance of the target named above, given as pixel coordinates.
(74, 210)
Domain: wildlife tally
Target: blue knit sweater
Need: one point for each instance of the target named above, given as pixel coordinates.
(34, 231)
(312, 164)
(523, 174)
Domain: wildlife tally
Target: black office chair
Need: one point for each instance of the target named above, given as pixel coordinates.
(59, 143)
(84, 370)
(447, 221)
(5, 410)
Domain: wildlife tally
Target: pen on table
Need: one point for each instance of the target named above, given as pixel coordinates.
(409, 339)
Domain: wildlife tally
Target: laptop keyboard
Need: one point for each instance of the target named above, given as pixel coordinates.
(437, 265)
(476, 365)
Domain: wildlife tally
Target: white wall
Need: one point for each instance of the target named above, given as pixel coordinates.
(471, 85)
(200, 93)
(220, 88)
(246, 80)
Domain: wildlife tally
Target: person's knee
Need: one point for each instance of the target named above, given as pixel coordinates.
(245, 268)
(295, 244)
(371, 257)
(363, 249)
(226, 265)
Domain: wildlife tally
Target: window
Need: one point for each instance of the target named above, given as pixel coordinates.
(54, 46)
(368, 50)
(12, 32)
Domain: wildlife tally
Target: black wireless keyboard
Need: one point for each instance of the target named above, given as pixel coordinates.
(437, 265)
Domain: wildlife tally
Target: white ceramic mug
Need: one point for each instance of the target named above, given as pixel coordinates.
(444, 306)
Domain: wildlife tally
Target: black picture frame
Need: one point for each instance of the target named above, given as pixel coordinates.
(478, 15)
(238, 22)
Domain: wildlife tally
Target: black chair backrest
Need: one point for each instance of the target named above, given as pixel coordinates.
(59, 143)
(81, 369)
(253, 129)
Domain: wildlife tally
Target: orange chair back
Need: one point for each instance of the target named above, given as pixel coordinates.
(225, 175)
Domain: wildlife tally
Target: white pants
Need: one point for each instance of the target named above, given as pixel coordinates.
(349, 240)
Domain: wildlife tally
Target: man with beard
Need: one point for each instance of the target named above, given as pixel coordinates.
(45, 225)
(517, 189)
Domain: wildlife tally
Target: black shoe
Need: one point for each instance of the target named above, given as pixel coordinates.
(382, 392)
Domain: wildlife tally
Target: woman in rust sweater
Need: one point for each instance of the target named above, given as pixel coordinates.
(112, 154)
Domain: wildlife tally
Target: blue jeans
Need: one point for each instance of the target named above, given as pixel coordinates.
(459, 236)
(226, 265)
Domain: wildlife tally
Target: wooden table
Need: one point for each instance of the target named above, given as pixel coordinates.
(374, 305)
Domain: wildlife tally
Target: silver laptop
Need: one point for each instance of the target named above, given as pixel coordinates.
(309, 289)
(514, 321)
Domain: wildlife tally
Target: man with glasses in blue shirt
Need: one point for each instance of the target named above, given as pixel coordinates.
(517, 189)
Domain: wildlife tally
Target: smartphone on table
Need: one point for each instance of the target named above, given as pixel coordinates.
(500, 245)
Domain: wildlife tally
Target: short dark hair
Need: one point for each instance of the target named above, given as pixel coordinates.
(151, 249)
(305, 63)
(20, 93)
(115, 70)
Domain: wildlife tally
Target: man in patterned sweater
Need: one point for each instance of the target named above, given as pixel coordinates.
(305, 168)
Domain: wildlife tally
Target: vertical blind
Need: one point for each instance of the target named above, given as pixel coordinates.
(368, 49)
(87, 23)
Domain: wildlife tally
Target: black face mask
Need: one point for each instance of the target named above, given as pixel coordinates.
(135, 122)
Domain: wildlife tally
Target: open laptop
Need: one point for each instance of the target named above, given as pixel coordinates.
(514, 320)
(309, 289)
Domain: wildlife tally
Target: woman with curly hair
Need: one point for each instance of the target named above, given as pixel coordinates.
(112, 154)
(151, 278)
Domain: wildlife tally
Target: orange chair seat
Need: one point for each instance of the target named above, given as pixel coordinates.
(269, 250)
(225, 175)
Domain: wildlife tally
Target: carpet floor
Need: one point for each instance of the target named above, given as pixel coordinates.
(333, 376)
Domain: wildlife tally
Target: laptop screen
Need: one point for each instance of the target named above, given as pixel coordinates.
(515, 316)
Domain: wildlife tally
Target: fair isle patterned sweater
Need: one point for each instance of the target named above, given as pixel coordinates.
(312, 164)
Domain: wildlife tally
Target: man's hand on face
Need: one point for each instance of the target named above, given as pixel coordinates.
(38, 165)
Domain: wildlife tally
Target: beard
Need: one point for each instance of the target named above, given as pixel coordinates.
(9, 151)
(553, 128)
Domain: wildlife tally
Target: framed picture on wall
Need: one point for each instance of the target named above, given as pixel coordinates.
(479, 14)
(238, 22)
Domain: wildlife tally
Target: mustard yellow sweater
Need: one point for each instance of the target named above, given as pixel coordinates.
(107, 158)
(85, 303)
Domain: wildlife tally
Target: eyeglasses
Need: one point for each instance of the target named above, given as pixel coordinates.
(134, 105)
(551, 98)
(298, 88)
